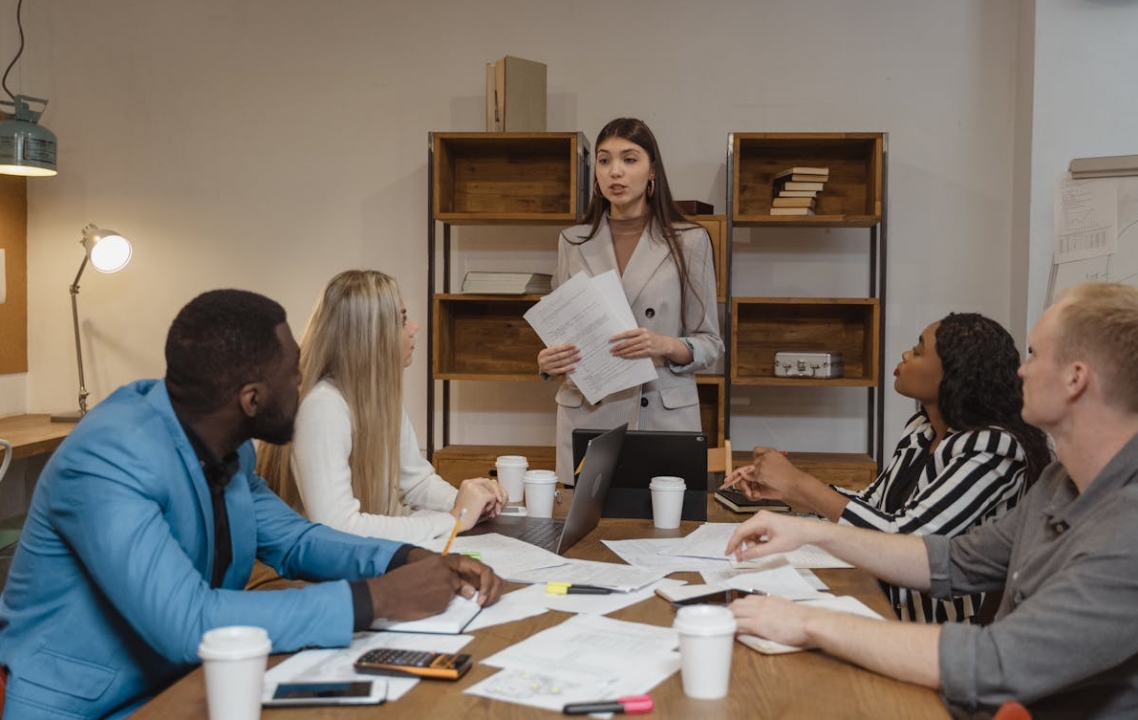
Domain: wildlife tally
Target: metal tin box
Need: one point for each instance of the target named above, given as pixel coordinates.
(808, 364)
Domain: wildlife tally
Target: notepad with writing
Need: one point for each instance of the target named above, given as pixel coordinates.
(451, 621)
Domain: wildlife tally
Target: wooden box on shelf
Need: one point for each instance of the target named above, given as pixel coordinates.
(456, 463)
(716, 226)
(763, 326)
(499, 178)
(852, 471)
(852, 197)
(484, 337)
(711, 417)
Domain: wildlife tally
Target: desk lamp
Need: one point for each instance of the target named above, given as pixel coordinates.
(108, 252)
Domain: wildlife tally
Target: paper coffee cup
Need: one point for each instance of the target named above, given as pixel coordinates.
(707, 637)
(234, 659)
(667, 501)
(511, 471)
(541, 489)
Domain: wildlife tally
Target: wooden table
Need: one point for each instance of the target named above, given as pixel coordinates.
(32, 434)
(799, 685)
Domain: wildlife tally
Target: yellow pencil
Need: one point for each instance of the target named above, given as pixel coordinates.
(454, 532)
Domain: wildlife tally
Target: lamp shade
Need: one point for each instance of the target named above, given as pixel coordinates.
(26, 148)
(109, 252)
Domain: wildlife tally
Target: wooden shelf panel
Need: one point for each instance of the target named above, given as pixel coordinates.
(853, 471)
(509, 177)
(761, 327)
(711, 404)
(852, 197)
(484, 337)
(455, 463)
(716, 226)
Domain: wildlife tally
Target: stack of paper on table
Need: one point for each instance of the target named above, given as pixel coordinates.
(584, 658)
(506, 555)
(451, 621)
(710, 540)
(614, 576)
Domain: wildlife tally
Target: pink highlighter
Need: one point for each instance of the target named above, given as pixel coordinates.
(631, 705)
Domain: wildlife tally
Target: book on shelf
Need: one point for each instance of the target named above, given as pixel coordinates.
(1113, 166)
(507, 283)
(798, 193)
(781, 185)
(806, 202)
(515, 95)
(812, 173)
(740, 503)
(792, 211)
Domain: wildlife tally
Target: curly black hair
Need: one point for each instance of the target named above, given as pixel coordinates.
(980, 386)
(219, 341)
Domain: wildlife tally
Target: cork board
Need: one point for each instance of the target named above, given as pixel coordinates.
(14, 243)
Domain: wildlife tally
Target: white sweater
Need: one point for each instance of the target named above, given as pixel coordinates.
(320, 450)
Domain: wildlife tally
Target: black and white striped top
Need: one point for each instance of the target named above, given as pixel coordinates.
(970, 477)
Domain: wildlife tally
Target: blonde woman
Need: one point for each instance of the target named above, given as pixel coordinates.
(354, 461)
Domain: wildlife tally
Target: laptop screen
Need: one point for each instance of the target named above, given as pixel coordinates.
(646, 454)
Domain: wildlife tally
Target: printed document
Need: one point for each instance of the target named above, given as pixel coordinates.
(584, 658)
(586, 312)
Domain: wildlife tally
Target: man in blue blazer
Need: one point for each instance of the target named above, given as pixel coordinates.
(145, 523)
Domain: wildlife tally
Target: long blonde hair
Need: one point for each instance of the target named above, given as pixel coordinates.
(354, 340)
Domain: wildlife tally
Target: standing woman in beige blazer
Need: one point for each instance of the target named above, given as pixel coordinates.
(665, 265)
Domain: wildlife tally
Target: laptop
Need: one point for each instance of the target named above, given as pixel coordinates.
(558, 535)
(646, 454)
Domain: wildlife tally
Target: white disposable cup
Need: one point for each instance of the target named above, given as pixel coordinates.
(707, 637)
(234, 658)
(667, 501)
(511, 473)
(541, 488)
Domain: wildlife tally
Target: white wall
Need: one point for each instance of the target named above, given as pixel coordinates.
(1085, 105)
(270, 143)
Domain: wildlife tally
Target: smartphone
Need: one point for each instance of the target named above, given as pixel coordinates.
(366, 692)
(415, 663)
(719, 597)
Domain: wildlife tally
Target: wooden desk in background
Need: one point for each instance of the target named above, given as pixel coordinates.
(32, 435)
(806, 685)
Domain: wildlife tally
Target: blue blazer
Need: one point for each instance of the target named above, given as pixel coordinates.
(108, 594)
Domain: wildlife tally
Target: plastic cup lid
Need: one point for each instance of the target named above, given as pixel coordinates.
(234, 642)
(705, 620)
(512, 461)
(540, 477)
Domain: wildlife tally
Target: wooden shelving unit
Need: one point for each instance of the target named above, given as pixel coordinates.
(490, 179)
(758, 327)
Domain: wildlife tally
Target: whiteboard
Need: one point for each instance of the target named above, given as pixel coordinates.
(1120, 266)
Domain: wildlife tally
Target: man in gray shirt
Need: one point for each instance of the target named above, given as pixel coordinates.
(1065, 638)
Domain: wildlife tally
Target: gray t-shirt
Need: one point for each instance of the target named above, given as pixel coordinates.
(1065, 638)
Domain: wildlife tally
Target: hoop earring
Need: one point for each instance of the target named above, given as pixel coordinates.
(651, 186)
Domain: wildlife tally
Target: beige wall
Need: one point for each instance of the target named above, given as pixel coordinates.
(267, 144)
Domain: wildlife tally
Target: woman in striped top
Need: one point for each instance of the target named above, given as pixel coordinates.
(964, 457)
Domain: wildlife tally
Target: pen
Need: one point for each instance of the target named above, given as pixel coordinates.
(454, 532)
(564, 588)
(633, 705)
(728, 484)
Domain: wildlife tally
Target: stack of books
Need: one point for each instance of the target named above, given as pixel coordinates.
(796, 190)
(507, 283)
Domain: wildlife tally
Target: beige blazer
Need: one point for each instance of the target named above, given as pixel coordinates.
(652, 285)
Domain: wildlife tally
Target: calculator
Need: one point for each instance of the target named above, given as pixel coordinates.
(415, 663)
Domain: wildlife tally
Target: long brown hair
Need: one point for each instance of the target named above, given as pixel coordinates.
(354, 340)
(663, 215)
